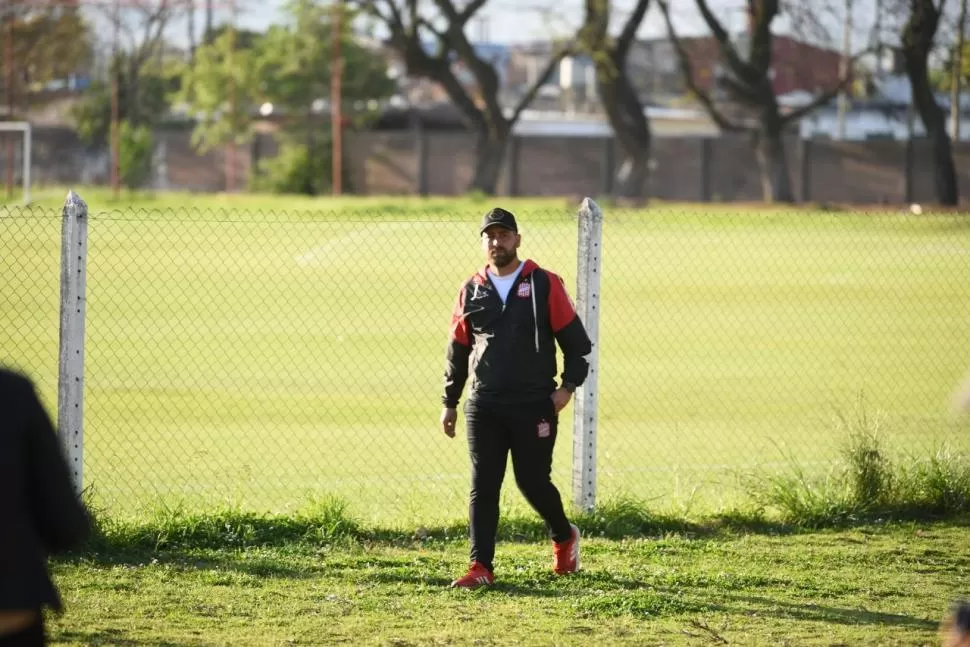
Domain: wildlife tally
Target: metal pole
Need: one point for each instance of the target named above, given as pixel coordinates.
(231, 144)
(70, 378)
(9, 69)
(336, 98)
(115, 111)
(590, 262)
(28, 146)
(844, 68)
(957, 74)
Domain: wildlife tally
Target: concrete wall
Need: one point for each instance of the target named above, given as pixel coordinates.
(684, 168)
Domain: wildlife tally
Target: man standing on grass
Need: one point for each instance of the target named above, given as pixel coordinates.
(507, 319)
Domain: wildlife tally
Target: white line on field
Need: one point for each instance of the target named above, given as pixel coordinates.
(350, 242)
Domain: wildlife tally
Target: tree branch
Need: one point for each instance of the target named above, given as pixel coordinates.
(453, 16)
(723, 122)
(369, 6)
(406, 40)
(543, 77)
(394, 21)
(742, 92)
(155, 21)
(818, 101)
(470, 10)
(484, 72)
(441, 36)
(728, 50)
(760, 54)
(625, 39)
(412, 14)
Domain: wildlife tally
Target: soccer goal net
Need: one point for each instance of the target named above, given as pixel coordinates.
(15, 155)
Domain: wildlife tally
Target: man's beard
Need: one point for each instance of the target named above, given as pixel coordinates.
(502, 257)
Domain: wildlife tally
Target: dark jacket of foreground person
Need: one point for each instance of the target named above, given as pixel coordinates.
(40, 512)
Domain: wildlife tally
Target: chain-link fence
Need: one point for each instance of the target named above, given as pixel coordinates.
(267, 359)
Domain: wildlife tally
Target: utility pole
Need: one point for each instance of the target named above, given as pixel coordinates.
(844, 69)
(957, 74)
(115, 108)
(336, 98)
(8, 61)
(875, 36)
(231, 144)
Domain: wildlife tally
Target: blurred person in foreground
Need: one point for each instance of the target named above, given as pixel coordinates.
(507, 319)
(955, 629)
(40, 512)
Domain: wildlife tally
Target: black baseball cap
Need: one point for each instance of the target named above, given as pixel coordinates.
(501, 217)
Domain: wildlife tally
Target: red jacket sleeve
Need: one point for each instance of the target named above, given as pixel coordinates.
(458, 351)
(569, 332)
(459, 323)
(562, 310)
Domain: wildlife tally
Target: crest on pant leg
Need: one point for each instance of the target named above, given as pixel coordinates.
(543, 429)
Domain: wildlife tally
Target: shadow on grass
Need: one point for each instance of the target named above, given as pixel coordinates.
(190, 561)
(112, 637)
(783, 609)
(175, 532)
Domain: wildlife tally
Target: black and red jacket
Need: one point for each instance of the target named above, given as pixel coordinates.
(512, 346)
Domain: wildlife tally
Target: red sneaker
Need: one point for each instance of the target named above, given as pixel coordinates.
(566, 554)
(476, 576)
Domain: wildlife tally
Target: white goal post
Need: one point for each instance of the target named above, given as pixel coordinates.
(24, 127)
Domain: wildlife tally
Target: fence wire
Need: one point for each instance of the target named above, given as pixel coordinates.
(30, 254)
(264, 360)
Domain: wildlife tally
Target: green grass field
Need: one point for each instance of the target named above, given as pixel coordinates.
(872, 585)
(262, 351)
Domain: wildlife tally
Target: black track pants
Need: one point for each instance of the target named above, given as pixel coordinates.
(529, 433)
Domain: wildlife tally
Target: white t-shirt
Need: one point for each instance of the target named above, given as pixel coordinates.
(504, 283)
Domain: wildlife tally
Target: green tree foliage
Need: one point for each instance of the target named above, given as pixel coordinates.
(135, 147)
(299, 168)
(296, 59)
(221, 72)
(289, 68)
(50, 42)
(942, 77)
(145, 107)
(145, 78)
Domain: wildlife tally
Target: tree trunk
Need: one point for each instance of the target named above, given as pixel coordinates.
(190, 24)
(207, 34)
(773, 162)
(132, 109)
(489, 158)
(934, 120)
(918, 35)
(623, 109)
(944, 171)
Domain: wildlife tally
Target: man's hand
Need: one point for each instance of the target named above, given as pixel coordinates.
(448, 419)
(560, 398)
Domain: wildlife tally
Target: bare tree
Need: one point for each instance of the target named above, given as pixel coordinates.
(748, 83)
(408, 24)
(617, 93)
(141, 30)
(917, 43)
